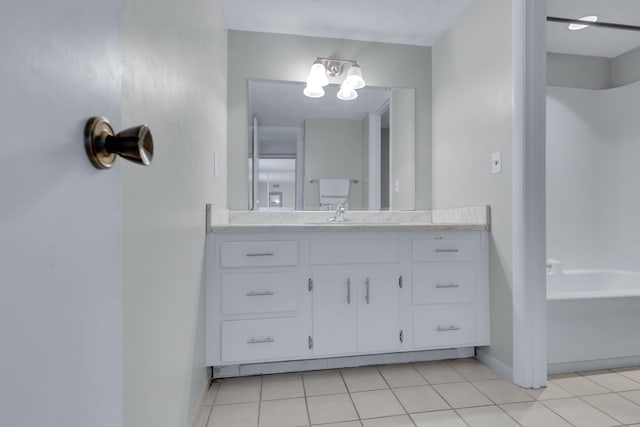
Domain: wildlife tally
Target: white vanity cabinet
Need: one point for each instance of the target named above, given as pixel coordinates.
(450, 304)
(295, 295)
(355, 312)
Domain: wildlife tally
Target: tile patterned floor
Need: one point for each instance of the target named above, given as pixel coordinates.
(454, 393)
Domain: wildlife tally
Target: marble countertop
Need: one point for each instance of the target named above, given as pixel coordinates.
(345, 226)
(476, 218)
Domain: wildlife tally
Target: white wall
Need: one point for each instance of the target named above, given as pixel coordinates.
(592, 177)
(60, 269)
(333, 149)
(175, 81)
(472, 118)
(286, 57)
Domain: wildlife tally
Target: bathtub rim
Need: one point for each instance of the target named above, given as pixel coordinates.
(599, 294)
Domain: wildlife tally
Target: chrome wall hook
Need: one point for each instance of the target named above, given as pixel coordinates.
(103, 145)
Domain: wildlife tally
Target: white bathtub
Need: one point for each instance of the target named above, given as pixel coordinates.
(593, 319)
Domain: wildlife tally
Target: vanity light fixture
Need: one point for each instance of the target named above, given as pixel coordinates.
(313, 91)
(323, 68)
(347, 93)
(354, 77)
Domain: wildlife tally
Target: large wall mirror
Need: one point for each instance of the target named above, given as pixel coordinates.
(316, 153)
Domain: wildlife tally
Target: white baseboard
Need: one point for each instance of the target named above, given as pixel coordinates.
(340, 362)
(483, 355)
(592, 365)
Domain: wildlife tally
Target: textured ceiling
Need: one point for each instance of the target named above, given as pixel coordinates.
(415, 22)
(422, 22)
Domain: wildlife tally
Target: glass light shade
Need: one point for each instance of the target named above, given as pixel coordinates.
(318, 75)
(574, 27)
(313, 91)
(354, 77)
(347, 93)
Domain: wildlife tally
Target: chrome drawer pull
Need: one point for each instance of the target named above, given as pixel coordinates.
(447, 250)
(447, 328)
(447, 286)
(348, 290)
(261, 254)
(259, 293)
(260, 340)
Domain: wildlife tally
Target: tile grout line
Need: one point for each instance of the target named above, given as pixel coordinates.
(459, 382)
(355, 408)
(479, 391)
(484, 394)
(435, 389)
(621, 391)
(455, 411)
(260, 401)
(561, 417)
(394, 395)
(629, 378)
(306, 402)
(603, 394)
(579, 375)
(625, 397)
(215, 396)
(217, 387)
(572, 396)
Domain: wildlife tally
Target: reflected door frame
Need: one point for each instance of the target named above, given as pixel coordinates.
(375, 123)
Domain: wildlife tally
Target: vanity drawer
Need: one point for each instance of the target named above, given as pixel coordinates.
(443, 285)
(444, 249)
(444, 327)
(372, 251)
(260, 339)
(259, 292)
(259, 254)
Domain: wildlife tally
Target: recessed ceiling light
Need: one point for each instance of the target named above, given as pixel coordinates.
(574, 27)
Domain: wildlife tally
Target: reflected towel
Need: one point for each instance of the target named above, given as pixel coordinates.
(334, 191)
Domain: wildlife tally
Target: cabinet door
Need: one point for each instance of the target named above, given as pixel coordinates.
(334, 313)
(379, 311)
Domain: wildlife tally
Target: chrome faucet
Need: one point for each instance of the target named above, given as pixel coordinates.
(339, 216)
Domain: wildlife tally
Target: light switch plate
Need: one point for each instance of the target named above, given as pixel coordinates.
(496, 162)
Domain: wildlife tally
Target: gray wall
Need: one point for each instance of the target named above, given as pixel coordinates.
(401, 150)
(174, 79)
(384, 168)
(593, 72)
(333, 149)
(579, 71)
(286, 57)
(472, 117)
(364, 187)
(625, 69)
